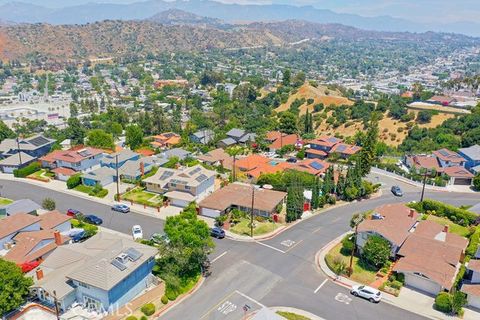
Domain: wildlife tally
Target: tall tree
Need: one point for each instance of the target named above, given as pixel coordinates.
(288, 122)
(14, 286)
(368, 154)
(295, 200)
(133, 136)
(5, 131)
(329, 181)
(100, 139)
(316, 194)
(75, 131)
(234, 152)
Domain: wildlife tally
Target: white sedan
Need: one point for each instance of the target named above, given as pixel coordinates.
(371, 294)
(137, 232)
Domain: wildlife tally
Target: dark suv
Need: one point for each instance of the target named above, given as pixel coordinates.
(397, 191)
(217, 232)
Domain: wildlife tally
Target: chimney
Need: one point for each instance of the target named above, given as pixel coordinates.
(445, 228)
(39, 273)
(412, 213)
(142, 168)
(58, 238)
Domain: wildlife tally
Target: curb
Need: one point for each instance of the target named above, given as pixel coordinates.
(182, 298)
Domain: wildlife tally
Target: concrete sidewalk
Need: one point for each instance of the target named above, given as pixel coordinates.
(408, 299)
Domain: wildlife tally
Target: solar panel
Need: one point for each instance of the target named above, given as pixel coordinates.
(195, 171)
(178, 181)
(84, 153)
(120, 266)
(38, 141)
(166, 175)
(201, 178)
(316, 165)
(444, 153)
(134, 254)
(341, 148)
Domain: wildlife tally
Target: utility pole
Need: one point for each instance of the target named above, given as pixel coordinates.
(357, 222)
(19, 152)
(55, 301)
(118, 180)
(423, 187)
(251, 213)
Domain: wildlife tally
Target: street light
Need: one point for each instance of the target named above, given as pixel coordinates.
(426, 173)
(356, 222)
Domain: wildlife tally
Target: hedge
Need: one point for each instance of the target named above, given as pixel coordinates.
(164, 299)
(131, 318)
(474, 242)
(457, 215)
(26, 171)
(443, 302)
(148, 309)
(74, 181)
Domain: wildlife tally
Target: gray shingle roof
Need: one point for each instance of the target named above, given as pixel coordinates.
(228, 141)
(176, 152)
(14, 160)
(23, 205)
(122, 156)
(472, 152)
(100, 173)
(236, 133)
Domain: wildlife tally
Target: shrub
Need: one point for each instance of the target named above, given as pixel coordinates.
(131, 318)
(396, 285)
(164, 299)
(220, 220)
(347, 245)
(143, 318)
(148, 309)
(474, 242)
(376, 251)
(48, 204)
(74, 181)
(26, 171)
(102, 193)
(443, 302)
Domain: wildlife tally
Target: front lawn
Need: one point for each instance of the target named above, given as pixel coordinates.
(291, 316)
(5, 201)
(41, 175)
(452, 227)
(91, 191)
(361, 273)
(138, 195)
(243, 227)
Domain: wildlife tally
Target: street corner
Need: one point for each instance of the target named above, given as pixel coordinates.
(234, 306)
(284, 242)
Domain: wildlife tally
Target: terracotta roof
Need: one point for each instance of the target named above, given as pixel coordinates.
(71, 156)
(279, 140)
(473, 289)
(64, 171)
(251, 162)
(425, 162)
(327, 141)
(165, 139)
(458, 172)
(474, 265)
(218, 155)
(395, 224)
(50, 220)
(12, 224)
(312, 166)
(345, 148)
(447, 155)
(431, 229)
(146, 152)
(240, 194)
(317, 152)
(270, 167)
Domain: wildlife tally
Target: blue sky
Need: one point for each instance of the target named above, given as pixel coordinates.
(439, 11)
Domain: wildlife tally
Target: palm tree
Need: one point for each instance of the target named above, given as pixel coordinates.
(234, 152)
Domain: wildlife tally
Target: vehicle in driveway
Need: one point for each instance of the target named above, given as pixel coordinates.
(371, 294)
(120, 207)
(77, 234)
(217, 232)
(93, 219)
(396, 190)
(160, 238)
(137, 232)
(73, 213)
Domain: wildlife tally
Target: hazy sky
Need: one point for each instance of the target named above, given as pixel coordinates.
(424, 10)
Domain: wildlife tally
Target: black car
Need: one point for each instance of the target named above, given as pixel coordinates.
(397, 191)
(292, 160)
(217, 232)
(92, 219)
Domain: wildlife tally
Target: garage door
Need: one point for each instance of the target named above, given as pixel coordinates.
(209, 212)
(422, 284)
(474, 301)
(463, 182)
(179, 203)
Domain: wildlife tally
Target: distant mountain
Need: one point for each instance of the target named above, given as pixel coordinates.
(119, 38)
(180, 17)
(80, 12)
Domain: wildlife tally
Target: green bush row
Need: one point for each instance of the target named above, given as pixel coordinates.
(457, 215)
(26, 171)
(474, 242)
(74, 181)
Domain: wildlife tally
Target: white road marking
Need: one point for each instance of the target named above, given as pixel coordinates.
(227, 307)
(320, 286)
(287, 243)
(269, 246)
(219, 257)
(341, 297)
(249, 298)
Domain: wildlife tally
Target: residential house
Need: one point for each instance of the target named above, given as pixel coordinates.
(72, 161)
(165, 140)
(323, 146)
(118, 159)
(393, 222)
(471, 284)
(102, 176)
(182, 186)
(36, 146)
(236, 136)
(447, 158)
(16, 161)
(316, 167)
(134, 170)
(431, 257)
(345, 150)
(101, 274)
(239, 196)
(202, 136)
(443, 100)
(277, 140)
(472, 157)
(217, 157)
(22, 205)
(458, 176)
(254, 165)
(178, 153)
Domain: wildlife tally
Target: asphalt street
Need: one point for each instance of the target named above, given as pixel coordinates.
(277, 272)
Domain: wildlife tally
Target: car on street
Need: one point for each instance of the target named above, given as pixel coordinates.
(120, 207)
(93, 219)
(217, 232)
(160, 238)
(137, 232)
(396, 190)
(73, 213)
(371, 294)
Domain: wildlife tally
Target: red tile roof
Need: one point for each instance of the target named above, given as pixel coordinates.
(312, 166)
(145, 152)
(474, 265)
(447, 155)
(458, 172)
(64, 171)
(71, 156)
(317, 152)
(15, 223)
(425, 162)
(52, 219)
(344, 148)
(279, 140)
(251, 162)
(327, 141)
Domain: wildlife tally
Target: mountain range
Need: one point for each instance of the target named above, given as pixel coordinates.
(84, 11)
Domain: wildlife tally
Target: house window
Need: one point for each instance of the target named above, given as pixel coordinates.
(81, 284)
(187, 187)
(173, 185)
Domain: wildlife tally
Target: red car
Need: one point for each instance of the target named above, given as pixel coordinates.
(73, 213)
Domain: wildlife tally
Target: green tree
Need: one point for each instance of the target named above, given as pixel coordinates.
(5, 132)
(376, 251)
(295, 200)
(288, 122)
(100, 139)
(316, 194)
(299, 79)
(133, 136)
(115, 129)
(48, 204)
(75, 131)
(368, 154)
(287, 74)
(476, 182)
(14, 286)
(458, 300)
(234, 152)
(329, 181)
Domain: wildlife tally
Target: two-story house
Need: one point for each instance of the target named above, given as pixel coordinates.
(101, 274)
(118, 159)
(204, 136)
(236, 136)
(472, 157)
(182, 186)
(278, 140)
(448, 158)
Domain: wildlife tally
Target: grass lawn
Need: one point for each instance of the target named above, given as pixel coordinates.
(42, 175)
(452, 227)
(138, 195)
(5, 201)
(361, 273)
(243, 227)
(389, 160)
(88, 190)
(291, 316)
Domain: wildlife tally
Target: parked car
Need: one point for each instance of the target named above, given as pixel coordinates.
(396, 190)
(73, 213)
(120, 207)
(77, 234)
(217, 232)
(93, 219)
(137, 232)
(159, 238)
(371, 294)
(292, 160)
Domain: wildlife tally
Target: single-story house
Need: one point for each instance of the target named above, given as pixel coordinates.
(12, 225)
(316, 167)
(179, 153)
(458, 175)
(165, 140)
(16, 161)
(202, 136)
(255, 165)
(323, 146)
(278, 140)
(103, 176)
(217, 157)
(22, 205)
(63, 174)
(135, 169)
(236, 136)
(239, 196)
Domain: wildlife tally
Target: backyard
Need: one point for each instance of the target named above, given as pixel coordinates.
(140, 196)
(260, 228)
